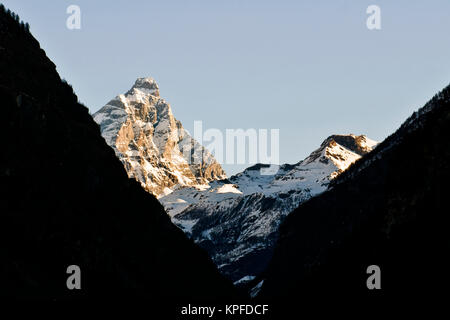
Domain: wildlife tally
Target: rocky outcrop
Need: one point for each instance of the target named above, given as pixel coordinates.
(153, 146)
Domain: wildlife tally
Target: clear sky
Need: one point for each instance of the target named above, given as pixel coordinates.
(308, 68)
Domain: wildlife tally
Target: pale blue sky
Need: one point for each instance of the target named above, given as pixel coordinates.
(309, 68)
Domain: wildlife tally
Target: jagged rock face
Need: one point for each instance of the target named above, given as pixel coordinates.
(153, 146)
(237, 220)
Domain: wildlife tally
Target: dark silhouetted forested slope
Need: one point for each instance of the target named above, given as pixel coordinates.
(66, 199)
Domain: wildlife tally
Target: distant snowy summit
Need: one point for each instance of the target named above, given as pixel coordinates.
(236, 220)
(153, 146)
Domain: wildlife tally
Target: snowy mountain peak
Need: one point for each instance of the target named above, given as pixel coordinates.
(153, 146)
(341, 150)
(357, 144)
(147, 85)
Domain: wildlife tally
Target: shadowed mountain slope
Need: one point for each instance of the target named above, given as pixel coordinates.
(66, 199)
(389, 209)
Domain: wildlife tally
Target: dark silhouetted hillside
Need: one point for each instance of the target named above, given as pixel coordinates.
(66, 199)
(390, 209)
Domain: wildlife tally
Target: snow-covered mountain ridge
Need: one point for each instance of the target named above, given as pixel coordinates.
(236, 219)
